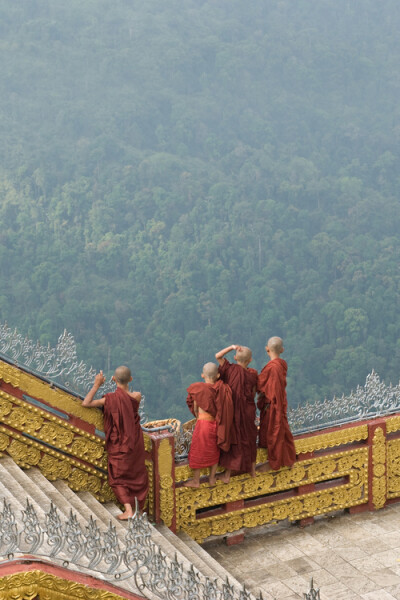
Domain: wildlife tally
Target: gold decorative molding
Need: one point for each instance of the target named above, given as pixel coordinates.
(29, 584)
(350, 463)
(53, 465)
(165, 461)
(338, 437)
(53, 430)
(392, 465)
(10, 374)
(150, 495)
(147, 442)
(392, 424)
(33, 386)
(379, 468)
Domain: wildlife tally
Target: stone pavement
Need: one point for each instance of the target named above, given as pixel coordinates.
(349, 557)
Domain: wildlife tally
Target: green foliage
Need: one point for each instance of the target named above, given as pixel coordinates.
(180, 176)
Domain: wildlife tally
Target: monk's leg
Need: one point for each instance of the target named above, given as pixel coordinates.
(264, 468)
(195, 482)
(225, 476)
(127, 514)
(212, 479)
(253, 469)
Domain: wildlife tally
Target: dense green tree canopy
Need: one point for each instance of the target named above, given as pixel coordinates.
(178, 176)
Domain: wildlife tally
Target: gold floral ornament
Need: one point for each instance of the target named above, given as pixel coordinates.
(53, 469)
(25, 455)
(379, 468)
(30, 584)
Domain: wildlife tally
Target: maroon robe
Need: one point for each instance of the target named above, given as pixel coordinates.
(275, 434)
(127, 473)
(209, 437)
(243, 383)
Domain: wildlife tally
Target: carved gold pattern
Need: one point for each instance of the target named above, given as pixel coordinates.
(29, 584)
(147, 442)
(4, 441)
(379, 468)
(392, 424)
(339, 437)
(53, 469)
(54, 465)
(53, 430)
(166, 481)
(23, 454)
(55, 397)
(9, 374)
(350, 463)
(393, 468)
(150, 495)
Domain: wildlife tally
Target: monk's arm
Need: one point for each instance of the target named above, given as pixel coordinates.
(89, 400)
(220, 355)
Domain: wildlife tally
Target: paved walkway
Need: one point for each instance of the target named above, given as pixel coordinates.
(349, 556)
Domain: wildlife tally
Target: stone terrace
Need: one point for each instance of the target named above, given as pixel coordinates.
(349, 556)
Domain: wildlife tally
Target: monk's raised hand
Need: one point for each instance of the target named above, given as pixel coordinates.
(99, 379)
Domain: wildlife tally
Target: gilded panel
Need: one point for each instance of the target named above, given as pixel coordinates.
(353, 463)
(52, 430)
(379, 468)
(331, 439)
(393, 468)
(165, 462)
(150, 496)
(9, 374)
(393, 424)
(29, 584)
(58, 398)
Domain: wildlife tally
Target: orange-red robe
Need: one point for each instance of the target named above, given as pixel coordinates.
(243, 383)
(127, 473)
(209, 436)
(275, 434)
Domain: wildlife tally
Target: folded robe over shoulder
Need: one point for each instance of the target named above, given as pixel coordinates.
(209, 437)
(275, 434)
(127, 473)
(243, 383)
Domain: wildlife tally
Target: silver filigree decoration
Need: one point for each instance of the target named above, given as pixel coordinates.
(9, 537)
(86, 548)
(372, 400)
(32, 533)
(313, 593)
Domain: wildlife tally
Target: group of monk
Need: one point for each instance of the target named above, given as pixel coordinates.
(225, 433)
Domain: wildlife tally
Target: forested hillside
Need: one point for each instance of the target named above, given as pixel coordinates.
(179, 176)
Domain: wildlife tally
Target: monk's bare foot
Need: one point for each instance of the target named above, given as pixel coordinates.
(125, 516)
(224, 478)
(253, 472)
(192, 483)
(212, 481)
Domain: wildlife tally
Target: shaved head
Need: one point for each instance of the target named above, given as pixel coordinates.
(243, 354)
(275, 344)
(122, 375)
(210, 371)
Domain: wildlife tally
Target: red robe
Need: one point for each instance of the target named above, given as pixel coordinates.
(208, 437)
(127, 473)
(275, 434)
(243, 383)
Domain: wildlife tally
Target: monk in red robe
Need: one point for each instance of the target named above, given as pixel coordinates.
(127, 473)
(243, 382)
(211, 402)
(275, 434)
